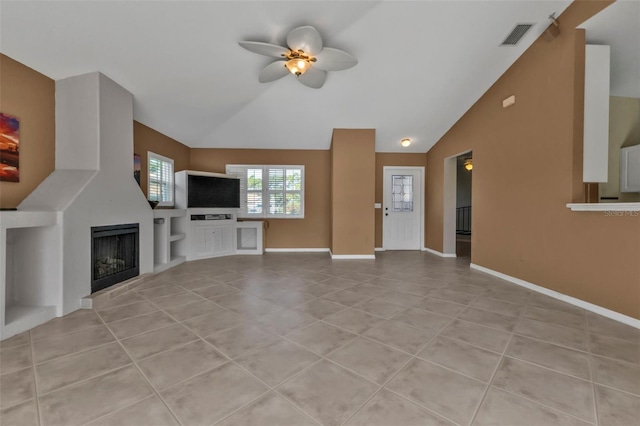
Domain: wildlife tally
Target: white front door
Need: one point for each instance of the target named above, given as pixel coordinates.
(402, 208)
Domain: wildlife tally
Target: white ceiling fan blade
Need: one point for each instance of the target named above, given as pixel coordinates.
(266, 49)
(313, 78)
(306, 39)
(273, 71)
(330, 59)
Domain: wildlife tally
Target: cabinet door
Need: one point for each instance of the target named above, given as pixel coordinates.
(201, 241)
(222, 240)
(630, 169)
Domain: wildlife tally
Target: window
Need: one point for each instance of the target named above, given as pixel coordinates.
(270, 191)
(160, 179)
(402, 193)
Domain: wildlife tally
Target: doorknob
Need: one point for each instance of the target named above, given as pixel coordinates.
(386, 214)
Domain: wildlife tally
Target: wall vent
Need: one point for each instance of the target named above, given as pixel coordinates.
(516, 34)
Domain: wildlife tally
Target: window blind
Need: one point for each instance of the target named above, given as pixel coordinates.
(160, 179)
(268, 191)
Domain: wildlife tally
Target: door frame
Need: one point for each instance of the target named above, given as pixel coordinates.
(423, 189)
(450, 189)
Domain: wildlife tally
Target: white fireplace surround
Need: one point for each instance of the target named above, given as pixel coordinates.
(47, 268)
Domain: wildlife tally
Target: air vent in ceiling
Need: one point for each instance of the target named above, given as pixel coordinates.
(516, 34)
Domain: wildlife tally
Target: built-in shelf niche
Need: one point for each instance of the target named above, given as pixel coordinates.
(28, 269)
(168, 234)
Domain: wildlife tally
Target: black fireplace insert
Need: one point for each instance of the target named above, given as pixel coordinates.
(115, 254)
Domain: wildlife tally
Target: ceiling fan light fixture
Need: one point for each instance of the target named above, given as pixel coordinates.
(305, 57)
(405, 142)
(297, 66)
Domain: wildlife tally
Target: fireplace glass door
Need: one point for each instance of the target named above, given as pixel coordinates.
(114, 254)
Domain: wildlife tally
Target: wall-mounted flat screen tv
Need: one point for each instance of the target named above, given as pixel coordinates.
(212, 191)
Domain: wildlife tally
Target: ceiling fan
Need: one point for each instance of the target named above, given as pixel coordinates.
(305, 58)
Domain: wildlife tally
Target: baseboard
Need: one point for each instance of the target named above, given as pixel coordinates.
(563, 297)
(352, 256)
(437, 253)
(379, 249)
(296, 250)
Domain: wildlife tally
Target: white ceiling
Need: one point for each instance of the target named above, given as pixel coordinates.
(619, 27)
(422, 64)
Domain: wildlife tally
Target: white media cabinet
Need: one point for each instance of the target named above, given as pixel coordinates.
(210, 233)
(201, 233)
(187, 233)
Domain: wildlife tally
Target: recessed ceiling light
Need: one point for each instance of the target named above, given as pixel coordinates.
(405, 142)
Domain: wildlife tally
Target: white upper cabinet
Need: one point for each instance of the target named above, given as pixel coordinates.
(630, 169)
(596, 113)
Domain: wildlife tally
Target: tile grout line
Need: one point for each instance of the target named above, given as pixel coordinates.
(250, 294)
(262, 395)
(415, 356)
(309, 367)
(542, 404)
(538, 339)
(411, 359)
(140, 372)
(302, 371)
(86, 379)
(35, 381)
(383, 387)
(535, 402)
(269, 390)
(498, 364)
(97, 419)
(420, 406)
(179, 345)
(73, 353)
(235, 363)
(69, 332)
(543, 367)
(635, 395)
(295, 407)
(592, 371)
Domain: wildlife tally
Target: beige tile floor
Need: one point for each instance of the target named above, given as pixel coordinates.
(296, 339)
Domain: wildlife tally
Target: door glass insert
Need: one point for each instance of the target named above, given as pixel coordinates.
(402, 193)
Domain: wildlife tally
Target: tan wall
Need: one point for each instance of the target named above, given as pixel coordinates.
(391, 159)
(311, 232)
(30, 96)
(353, 191)
(146, 139)
(624, 130)
(525, 171)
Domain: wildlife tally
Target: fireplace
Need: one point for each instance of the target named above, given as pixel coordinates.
(114, 254)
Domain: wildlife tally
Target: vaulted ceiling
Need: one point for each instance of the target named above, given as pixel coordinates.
(422, 64)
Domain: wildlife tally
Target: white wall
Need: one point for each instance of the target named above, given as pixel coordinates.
(78, 119)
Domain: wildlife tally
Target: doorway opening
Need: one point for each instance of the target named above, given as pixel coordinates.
(464, 173)
(457, 205)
